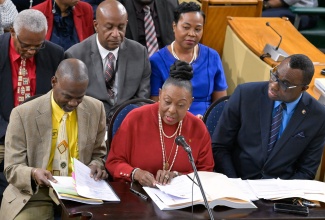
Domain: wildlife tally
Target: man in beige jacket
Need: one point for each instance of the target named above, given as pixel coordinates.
(31, 142)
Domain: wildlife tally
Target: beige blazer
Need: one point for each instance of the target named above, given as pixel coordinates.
(28, 145)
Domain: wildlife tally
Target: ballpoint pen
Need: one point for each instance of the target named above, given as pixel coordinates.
(139, 194)
(144, 197)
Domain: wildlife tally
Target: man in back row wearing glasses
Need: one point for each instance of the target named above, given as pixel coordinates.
(27, 64)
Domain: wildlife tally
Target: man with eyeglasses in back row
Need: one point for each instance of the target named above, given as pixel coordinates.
(272, 129)
(27, 64)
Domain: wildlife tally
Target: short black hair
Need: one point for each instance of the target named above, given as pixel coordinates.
(180, 75)
(302, 62)
(186, 7)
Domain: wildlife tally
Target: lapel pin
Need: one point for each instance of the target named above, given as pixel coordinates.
(303, 111)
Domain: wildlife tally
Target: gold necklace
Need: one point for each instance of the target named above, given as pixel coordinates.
(166, 166)
(176, 57)
(163, 148)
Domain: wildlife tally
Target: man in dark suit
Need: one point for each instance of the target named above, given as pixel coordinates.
(26, 41)
(163, 16)
(131, 67)
(243, 145)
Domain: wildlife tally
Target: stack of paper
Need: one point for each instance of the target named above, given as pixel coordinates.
(182, 190)
(279, 189)
(320, 85)
(82, 188)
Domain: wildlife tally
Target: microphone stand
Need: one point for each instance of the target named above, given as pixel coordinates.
(190, 156)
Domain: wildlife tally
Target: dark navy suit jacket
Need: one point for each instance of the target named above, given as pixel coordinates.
(241, 137)
(165, 12)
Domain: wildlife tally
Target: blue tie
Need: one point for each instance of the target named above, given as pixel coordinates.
(275, 127)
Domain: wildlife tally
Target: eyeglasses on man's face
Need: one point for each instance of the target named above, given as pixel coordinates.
(27, 47)
(284, 85)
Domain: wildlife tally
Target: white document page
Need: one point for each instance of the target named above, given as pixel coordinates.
(220, 186)
(244, 187)
(277, 188)
(65, 185)
(88, 187)
(182, 187)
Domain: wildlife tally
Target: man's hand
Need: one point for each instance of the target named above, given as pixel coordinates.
(145, 178)
(97, 173)
(42, 177)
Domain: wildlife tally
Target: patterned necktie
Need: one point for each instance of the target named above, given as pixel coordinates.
(150, 31)
(110, 74)
(61, 155)
(275, 127)
(23, 86)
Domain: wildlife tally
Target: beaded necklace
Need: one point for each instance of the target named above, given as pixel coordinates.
(176, 57)
(163, 148)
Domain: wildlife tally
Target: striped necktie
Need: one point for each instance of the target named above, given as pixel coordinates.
(275, 127)
(110, 74)
(150, 31)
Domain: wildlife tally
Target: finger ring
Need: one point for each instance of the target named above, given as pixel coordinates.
(166, 177)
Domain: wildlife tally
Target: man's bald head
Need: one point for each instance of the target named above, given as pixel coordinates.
(70, 84)
(72, 69)
(108, 6)
(110, 24)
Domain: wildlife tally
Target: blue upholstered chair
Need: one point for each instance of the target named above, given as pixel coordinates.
(120, 114)
(212, 114)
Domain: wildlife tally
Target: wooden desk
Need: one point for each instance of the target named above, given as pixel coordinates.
(216, 12)
(245, 40)
(133, 207)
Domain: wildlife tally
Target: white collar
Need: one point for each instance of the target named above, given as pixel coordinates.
(103, 51)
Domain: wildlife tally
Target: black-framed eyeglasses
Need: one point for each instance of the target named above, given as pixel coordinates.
(27, 47)
(283, 84)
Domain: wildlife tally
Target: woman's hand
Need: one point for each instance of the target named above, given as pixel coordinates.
(164, 177)
(144, 178)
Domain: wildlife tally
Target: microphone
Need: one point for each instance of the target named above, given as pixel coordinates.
(268, 24)
(276, 53)
(180, 140)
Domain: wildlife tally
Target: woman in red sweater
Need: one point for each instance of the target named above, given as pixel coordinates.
(144, 148)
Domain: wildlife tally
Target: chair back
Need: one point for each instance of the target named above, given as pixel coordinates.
(120, 114)
(213, 113)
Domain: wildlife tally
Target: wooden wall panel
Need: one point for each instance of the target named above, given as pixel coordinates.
(217, 11)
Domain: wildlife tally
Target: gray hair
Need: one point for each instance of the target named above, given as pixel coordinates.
(30, 19)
